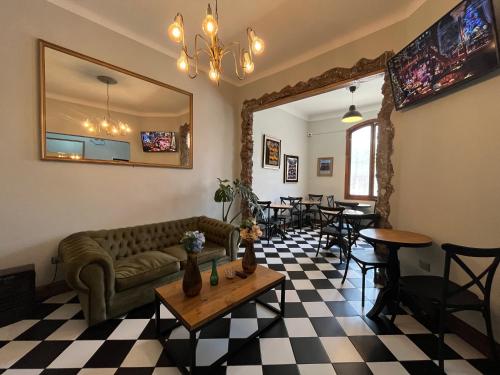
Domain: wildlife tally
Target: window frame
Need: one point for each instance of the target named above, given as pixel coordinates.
(373, 123)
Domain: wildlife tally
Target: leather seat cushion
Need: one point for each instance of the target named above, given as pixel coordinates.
(209, 252)
(142, 268)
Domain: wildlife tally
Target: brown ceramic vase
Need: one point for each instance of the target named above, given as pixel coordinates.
(249, 264)
(191, 283)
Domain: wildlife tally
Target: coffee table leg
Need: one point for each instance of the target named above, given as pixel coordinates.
(192, 347)
(282, 305)
(389, 294)
(157, 316)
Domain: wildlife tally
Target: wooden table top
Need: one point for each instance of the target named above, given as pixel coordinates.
(364, 205)
(280, 206)
(214, 301)
(309, 202)
(396, 237)
(353, 213)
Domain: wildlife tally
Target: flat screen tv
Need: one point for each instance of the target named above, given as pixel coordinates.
(458, 48)
(159, 141)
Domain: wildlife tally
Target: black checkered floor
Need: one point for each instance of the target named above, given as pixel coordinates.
(324, 331)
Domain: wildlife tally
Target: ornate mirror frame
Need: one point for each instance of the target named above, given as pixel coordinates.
(333, 78)
(42, 45)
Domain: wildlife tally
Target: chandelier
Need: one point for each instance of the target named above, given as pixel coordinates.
(107, 125)
(214, 48)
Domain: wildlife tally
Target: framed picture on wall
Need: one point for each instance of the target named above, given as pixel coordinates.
(271, 153)
(291, 168)
(325, 167)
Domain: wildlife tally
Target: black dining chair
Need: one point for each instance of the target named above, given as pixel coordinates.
(331, 225)
(366, 259)
(295, 212)
(312, 211)
(264, 218)
(330, 200)
(450, 297)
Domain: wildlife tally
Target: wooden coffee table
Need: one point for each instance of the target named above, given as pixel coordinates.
(215, 302)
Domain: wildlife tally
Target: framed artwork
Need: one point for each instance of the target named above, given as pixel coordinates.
(291, 168)
(325, 167)
(271, 154)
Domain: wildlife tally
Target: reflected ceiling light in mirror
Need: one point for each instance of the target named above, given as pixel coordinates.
(107, 125)
(352, 115)
(214, 48)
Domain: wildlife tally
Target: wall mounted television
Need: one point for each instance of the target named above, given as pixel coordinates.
(461, 46)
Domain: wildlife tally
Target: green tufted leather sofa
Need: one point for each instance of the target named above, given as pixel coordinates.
(114, 271)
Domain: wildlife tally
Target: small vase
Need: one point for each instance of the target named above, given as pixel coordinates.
(191, 283)
(214, 277)
(249, 264)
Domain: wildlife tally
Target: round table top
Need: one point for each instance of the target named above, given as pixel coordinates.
(310, 202)
(364, 205)
(280, 206)
(395, 237)
(345, 212)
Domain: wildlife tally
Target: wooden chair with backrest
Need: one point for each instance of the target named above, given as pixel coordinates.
(331, 225)
(366, 259)
(450, 297)
(330, 200)
(313, 211)
(295, 213)
(263, 217)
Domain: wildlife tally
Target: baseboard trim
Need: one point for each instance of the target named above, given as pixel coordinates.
(49, 290)
(471, 335)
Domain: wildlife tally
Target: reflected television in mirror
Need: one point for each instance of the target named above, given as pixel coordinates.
(95, 112)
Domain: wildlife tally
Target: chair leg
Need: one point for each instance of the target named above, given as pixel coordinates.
(346, 268)
(489, 331)
(442, 318)
(363, 272)
(319, 244)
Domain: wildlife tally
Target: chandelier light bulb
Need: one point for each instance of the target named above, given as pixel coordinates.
(213, 74)
(86, 124)
(114, 130)
(258, 46)
(104, 123)
(175, 30)
(209, 25)
(182, 62)
(248, 65)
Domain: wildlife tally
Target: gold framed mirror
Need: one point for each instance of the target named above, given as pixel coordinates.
(94, 112)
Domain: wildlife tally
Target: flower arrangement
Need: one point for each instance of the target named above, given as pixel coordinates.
(249, 230)
(193, 241)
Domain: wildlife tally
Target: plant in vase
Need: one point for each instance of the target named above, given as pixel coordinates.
(227, 194)
(249, 233)
(193, 244)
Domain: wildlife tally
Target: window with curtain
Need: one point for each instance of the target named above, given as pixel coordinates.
(361, 169)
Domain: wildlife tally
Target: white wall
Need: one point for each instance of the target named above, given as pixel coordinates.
(40, 201)
(268, 183)
(329, 140)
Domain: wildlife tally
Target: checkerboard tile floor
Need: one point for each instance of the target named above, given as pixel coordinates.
(324, 332)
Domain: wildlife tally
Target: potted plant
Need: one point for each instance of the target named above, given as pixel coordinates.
(228, 192)
(249, 233)
(193, 244)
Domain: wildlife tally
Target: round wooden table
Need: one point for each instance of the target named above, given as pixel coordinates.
(393, 239)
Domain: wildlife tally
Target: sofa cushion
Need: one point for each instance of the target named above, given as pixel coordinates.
(142, 268)
(209, 252)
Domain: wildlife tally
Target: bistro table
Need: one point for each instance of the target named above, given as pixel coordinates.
(275, 228)
(393, 239)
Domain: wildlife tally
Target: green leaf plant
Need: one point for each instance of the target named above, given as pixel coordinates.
(228, 192)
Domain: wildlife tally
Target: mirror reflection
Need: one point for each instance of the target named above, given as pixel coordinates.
(94, 112)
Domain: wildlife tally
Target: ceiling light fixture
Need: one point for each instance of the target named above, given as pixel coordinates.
(352, 115)
(107, 125)
(214, 48)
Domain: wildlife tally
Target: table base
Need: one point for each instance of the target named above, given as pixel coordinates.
(193, 341)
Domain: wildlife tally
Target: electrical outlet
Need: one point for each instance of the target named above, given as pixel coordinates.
(55, 260)
(424, 265)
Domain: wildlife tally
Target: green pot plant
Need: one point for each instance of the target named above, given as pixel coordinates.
(228, 193)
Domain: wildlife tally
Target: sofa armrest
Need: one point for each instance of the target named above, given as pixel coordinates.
(221, 233)
(79, 251)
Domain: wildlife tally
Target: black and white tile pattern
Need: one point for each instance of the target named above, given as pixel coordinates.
(324, 332)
